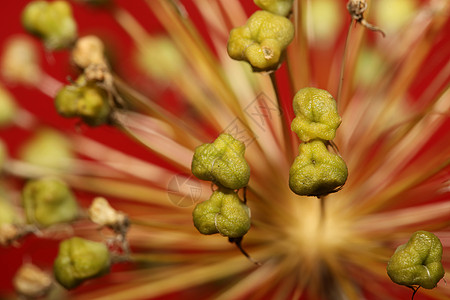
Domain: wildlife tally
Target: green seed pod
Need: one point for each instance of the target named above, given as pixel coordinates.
(222, 162)
(49, 201)
(78, 260)
(316, 115)
(262, 41)
(52, 22)
(223, 213)
(66, 101)
(85, 100)
(278, 7)
(8, 108)
(417, 262)
(316, 171)
(47, 148)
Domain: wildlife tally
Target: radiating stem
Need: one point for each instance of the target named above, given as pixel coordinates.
(285, 121)
(344, 62)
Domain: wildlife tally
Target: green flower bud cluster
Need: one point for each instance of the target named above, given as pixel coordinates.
(262, 41)
(278, 7)
(52, 22)
(78, 260)
(84, 99)
(48, 201)
(223, 213)
(222, 162)
(417, 262)
(316, 171)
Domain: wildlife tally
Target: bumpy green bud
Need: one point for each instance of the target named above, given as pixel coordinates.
(85, 100)
(316, 171)
(8, 108)
(49, 201)
(47, 148)
(417, 262)
(78, 260)
(316, 115)
(52, 22)
(223, 213)
(262, 41)
(278, 7)
(222, 162)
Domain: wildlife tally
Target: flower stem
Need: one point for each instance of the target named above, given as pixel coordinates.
(285, 125)
(344, 61)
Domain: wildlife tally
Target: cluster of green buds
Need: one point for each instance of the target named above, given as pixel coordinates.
(48, 201)
(223, 213)
(262, 41)
(418, 262)
(52, 22)
(223, 163)
(278, 7)
(84, 99)
(316, 171)
(79, 260)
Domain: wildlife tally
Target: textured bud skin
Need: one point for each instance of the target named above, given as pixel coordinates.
(51, 21)
(223, 213)
(85, 100)
(222, 162)
(261, 41)
(316, 171)
(316, 115)
(66, 101)
(78, 260)
(48, 201)
(417, 262)
(278, 7)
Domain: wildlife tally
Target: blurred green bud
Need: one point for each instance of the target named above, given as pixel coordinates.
(78, 260)
(417, 262)
(262, 41)
(8, 108)
(7, 213)
(223, 213)
(316, 115)
(222, 162)
(278, 7)
(52, 22)
(48, 201)
(47, 148)
(85, 100)
(316, 171)
(159, 58)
